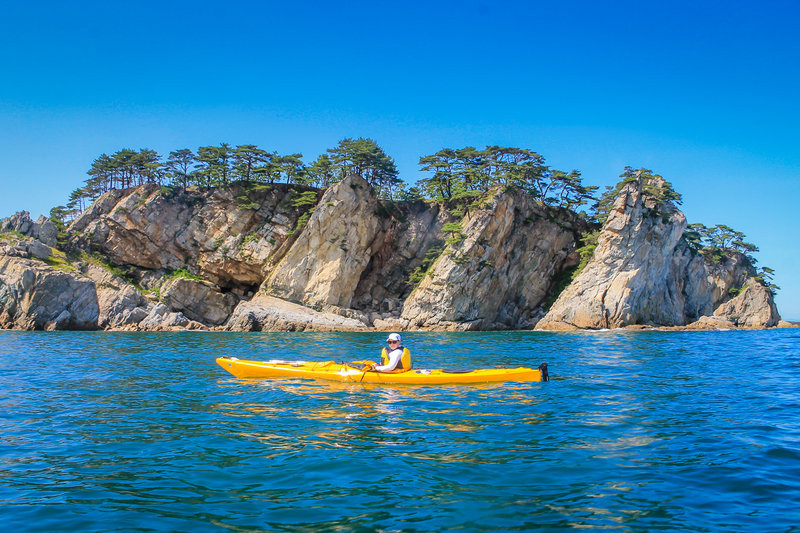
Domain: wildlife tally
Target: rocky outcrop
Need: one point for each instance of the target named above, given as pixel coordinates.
(325, 263)
(119, 303)
(360, 262)
(643, 272)
(43, 229)
(629, 279)
(267, 313)
(198, 300)
(754, 307)
(226, 235)
(34, 295)
(500, 273)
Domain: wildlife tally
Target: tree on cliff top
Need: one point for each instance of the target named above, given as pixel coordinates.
(653, 185)
(363, 157)
(468, 172)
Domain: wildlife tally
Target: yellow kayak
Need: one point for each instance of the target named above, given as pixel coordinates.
(358, 371)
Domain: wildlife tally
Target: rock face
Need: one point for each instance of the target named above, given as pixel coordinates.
(198, 300)
(119, 303)
(754, 307)
(43, 229)
(225, 235)
(325, 263)
(498, 276)
(267, 313)
(360, 262)
(642, 272)
(629, 279)
(34, 295)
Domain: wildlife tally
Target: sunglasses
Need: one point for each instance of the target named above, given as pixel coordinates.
(392, 342)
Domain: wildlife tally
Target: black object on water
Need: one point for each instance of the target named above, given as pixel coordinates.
(545, 373)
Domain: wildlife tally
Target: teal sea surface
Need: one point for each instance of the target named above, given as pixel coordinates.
(636, 431)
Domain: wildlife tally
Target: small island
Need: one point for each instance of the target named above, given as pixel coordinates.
(243, 239)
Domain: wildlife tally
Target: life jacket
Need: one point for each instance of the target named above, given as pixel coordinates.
(402, 365)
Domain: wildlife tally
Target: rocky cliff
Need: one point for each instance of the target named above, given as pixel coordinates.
(499, 273)
(280, 257)
(643, 272)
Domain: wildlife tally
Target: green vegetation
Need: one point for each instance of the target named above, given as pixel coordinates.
(215, 166)
(587, 245)
(462, 180)
(59, 260)
(13, 233)
(100, 260)
(430, 258)
(466, 173)
(455, 231)
(181, 273)
(653, 185)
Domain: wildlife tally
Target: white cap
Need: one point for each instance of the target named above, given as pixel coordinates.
(394, 337)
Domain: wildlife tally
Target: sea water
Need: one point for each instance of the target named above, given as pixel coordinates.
(636, 431)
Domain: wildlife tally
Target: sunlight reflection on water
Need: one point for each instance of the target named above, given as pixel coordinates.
(635, 431)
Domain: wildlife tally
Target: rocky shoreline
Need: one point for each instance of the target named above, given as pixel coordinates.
(251, 257)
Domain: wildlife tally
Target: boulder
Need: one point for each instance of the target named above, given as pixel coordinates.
(160, 318)
(34, 295)
(711, 323)
(754, 307)
(267, 313)
(198, 300)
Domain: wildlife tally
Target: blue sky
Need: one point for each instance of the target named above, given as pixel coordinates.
(703, 93)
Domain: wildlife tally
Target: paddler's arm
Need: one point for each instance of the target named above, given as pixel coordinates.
(394, 358)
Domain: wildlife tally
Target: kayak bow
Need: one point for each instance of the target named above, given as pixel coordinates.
(357, 372)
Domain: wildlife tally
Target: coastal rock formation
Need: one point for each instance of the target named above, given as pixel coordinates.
(643, 272)
(752, 308)
(499, 274)
(325, 263)
(629, 278)
(256, 257)
(43, 229)
(198, 300)
(267, 313)
(226, 235)
(34, 295)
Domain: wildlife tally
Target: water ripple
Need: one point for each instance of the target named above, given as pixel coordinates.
(636, 431)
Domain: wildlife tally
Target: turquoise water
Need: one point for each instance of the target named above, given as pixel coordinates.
(635, 432)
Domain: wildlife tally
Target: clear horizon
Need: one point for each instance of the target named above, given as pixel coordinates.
(704, 95)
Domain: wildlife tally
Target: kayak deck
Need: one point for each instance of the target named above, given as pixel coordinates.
(357, 372)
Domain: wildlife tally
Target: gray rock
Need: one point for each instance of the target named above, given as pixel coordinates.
(267, 313)
(754, 307)
(628, 280)
(119, 302)
(198, 300)
(36, 296)
(206, 230)
(40, 250)
(43, 229)
(161, 319)
(326, 261)
(498, 276)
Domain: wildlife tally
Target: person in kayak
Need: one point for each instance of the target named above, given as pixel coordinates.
(396, 359)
